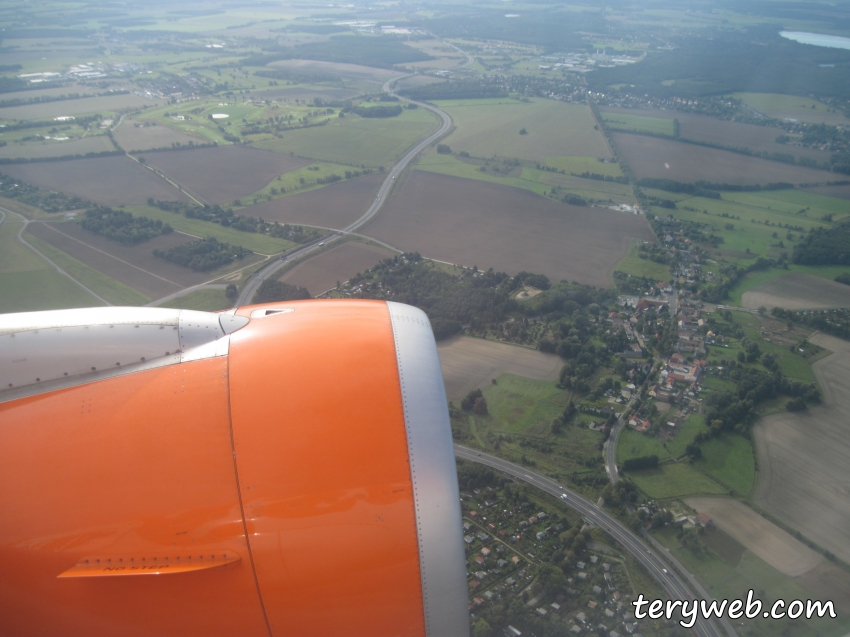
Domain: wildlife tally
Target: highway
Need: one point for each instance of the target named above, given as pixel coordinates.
(398, 168)
(658, 568)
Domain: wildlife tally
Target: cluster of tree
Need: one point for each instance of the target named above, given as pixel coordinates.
(280, 123)
(824, 246)
(381, 110)
(641, 462)
(718, 292)
(444, 149)
(699, 189)
(203, 255)
(271, 291)
(835, 322)
(38, 160)
(844, 278)
(600, 177)
(631, 284)
(379, 52)
(574, 200)
(475, 402)
(37, 197)
(460, 90)
(121, 226)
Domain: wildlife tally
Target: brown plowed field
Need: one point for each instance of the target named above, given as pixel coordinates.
(797, 291)
(224, 173)
(96, 144)
(320, 273)
(469, 363)
(333, 206)
(778, 548)
(804, 457)
(841, 192)
(110, 181)
(132, 137)
(134, 266)
(472, 222)
(733, 134)
(651, 156)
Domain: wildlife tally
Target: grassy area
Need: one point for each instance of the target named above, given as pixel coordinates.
(524, 405)
(14, 255)
(788, 105)
(673, 481)
(487, 128)
(29, 291)
(633, 444)
(634, 265)
(729, 458)
(732, 581)
(356, 141)
(583, 164)
(260, 243)
(203, 300)
(655, 125)
(297, 181)
(113, 291)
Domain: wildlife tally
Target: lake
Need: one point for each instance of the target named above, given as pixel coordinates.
(817, 39)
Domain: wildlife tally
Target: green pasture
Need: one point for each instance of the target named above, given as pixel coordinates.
(634, 444)
(489, 128)
(637, 123)
(728, 581)
(792, 106)
(583, 164)
(14, 255)
(674, 481)
(634, 265)
(524, 405)
(356, 141)
(113, 291)
(291, 183)
(207, 300)
(33, 290)
(729, 458)
(263, 244)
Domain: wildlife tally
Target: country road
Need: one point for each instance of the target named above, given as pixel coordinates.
(670, 581)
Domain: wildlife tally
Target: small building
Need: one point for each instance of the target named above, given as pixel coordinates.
(510, 631)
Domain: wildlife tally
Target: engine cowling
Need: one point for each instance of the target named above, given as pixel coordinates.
(284, 469)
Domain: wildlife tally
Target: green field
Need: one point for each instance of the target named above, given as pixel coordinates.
(583, 164)
(356, 141)
(728, 581)
(263, 244)
(203, 300)
(291, 182)
(792, 106)
(524, 405)
(634, 265)
(729, 458)
(674, 481)
(489, 128)
(634, 444)
(636, 123)
(113, 291)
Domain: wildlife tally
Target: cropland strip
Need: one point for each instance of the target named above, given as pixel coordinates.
(803, 458)
(841, 192)
(131, 136)
(221, 174)
(775, 546)
(65, 108)
(134, 266)
(666, 159)
(320, 273)
(490, 225)
(469, 363)
(38, 150)
(110, 181)
(711, 130)
(333, 206)
(803, 109)
(306, 93)
(797, 291)
(347, 71)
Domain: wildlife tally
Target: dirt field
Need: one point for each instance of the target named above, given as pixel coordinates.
(651, 156)
(132, 137)
(841, 192)
(220, 175)
(134, 266)
(333, 206)
(110, 181)
(761, 536)
(490, 225)
(49, 110)
(797, 291)
(96, 144)
(320, 273)
(734, 134)
(828, 581)
(803, 458)
(473, 362)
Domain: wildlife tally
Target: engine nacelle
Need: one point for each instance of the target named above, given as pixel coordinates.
(284, 469)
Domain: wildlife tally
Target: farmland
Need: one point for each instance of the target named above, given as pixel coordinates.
(132, 136)
(49, 110)
(804, 109)
(797, 291)
(802, 455)
(473, 223)
(110, 181)
(666, 159)
(220, 175)
(644, 122)
(470, 363)
(333, 206)
(38, 150)
(674, 481)
(489, 128)
(320, 273)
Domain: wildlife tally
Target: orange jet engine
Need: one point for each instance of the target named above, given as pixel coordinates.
(276, 470)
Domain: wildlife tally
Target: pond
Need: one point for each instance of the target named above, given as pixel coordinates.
(817, 39)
